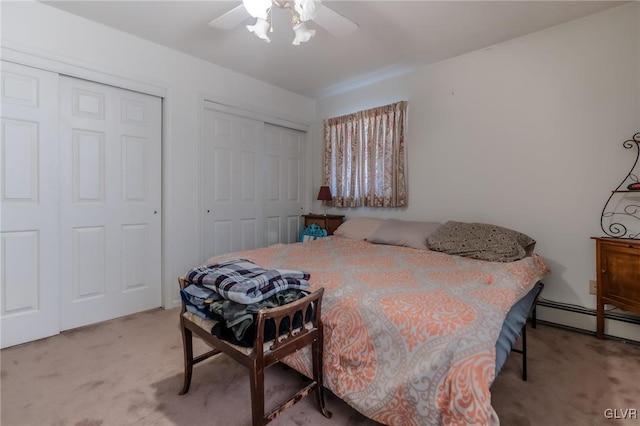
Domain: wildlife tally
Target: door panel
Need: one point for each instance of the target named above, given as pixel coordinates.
(232, 175)
(283, 183)
(110, 218)
(29, 205)
(89, 268)
(251, 183)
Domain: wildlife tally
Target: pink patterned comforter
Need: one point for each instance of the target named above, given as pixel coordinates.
(409, 334)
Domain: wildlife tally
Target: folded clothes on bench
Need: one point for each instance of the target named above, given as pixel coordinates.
(243, 281)
(233, 292)
(236, 321)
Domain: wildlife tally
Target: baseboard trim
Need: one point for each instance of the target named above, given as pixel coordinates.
(579, 318)
(582, 331)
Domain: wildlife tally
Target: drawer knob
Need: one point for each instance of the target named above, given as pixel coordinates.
(603, 271)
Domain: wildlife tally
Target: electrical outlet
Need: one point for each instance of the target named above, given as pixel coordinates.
(593, 287)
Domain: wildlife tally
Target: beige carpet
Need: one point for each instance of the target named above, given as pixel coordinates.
(129, 371)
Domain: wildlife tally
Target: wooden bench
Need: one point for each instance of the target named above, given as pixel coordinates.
(263, 354)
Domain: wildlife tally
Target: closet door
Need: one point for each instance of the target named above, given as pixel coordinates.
(110, 199)
(232, 176)
(283, 183)
(29, 205)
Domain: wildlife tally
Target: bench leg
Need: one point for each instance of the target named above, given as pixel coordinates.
(256, 375)
(317, 354)
(187, 344)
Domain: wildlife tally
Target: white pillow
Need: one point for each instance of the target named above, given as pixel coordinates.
(358, 228)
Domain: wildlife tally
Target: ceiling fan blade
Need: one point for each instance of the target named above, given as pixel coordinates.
(231, 19)
(333, 22)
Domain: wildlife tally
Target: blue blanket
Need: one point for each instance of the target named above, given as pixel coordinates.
(243, 281)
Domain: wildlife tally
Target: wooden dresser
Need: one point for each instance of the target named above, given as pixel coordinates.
(329, 222)
(618, 274)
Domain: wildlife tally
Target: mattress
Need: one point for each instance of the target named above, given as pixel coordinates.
(513, 323)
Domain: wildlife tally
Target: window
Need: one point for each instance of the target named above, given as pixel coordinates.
(364, 157)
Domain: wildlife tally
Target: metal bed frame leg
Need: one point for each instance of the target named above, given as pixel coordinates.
(523, 333)
(524, 340)
(533, 314)
(524, 352)
(534, 321)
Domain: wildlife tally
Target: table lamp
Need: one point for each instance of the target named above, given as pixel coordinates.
(324, 195)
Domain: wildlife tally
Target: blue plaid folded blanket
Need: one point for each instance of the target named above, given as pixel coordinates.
(243, 281)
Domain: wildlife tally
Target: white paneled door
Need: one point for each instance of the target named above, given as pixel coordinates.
(110, 199)
(232, 173)
(251, 183)
(284, 156)
(29, 208)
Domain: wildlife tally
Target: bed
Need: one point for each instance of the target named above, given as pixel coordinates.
(410, 334)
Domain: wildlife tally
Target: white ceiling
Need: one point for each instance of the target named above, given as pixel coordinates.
(393, 36)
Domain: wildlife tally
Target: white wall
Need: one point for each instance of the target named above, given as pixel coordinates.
(526, 134)
(47, 32)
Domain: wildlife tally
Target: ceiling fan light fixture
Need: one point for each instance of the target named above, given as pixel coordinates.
(301, 10)
(260, 29)
(303, 34)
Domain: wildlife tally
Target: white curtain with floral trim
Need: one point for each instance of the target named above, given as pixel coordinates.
(365, 157)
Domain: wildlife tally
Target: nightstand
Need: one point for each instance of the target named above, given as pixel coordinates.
(329, 222)
(618, 272)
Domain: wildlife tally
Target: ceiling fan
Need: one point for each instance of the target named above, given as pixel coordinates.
(301, 11)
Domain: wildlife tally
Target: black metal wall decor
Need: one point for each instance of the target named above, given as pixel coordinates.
(621, 213)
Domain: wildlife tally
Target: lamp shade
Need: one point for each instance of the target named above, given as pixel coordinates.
(307, 9)
(303, 34)
(261, 29)
(324, 194)
(257, 8)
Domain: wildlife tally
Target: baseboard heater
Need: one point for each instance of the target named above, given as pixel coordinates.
(587, 311)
